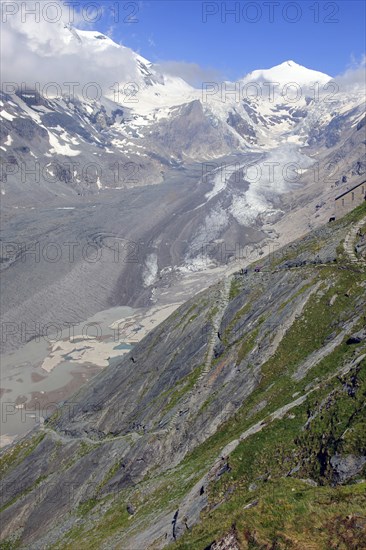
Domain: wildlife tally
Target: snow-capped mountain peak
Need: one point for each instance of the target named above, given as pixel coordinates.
(138, 84)
(93, 39)
(286, 72)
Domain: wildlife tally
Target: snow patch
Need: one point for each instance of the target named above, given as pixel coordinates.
(150, 270)
(7, 115)
(57, 147)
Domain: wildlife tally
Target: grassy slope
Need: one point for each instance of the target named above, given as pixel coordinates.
(288, 511)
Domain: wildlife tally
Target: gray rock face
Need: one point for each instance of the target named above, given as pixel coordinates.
(241, 126)
(357, 337)
(27, 129)
(346, 467)
(191, 132)
(361, 124)
(229, 542)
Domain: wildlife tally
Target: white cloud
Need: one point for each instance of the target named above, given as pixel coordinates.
(354, 78)
(41, 51)
(192, 73)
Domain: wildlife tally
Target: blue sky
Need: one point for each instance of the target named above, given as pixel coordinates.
(322, 35)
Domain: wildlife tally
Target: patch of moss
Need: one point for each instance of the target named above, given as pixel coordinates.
(111, 473)
(296, 295)
(185, 385)
(10, 544)
(85, 507)
(23, 493)
(248, 344)
(235, 288)
(192, 318)
(18, 452)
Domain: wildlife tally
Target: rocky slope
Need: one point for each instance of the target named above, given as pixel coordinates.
(237, 423)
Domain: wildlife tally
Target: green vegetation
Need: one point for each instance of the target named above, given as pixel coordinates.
(337, 427)
(301, 291)
(10, 544)
(318, 321)
(114, 520)
(111, 473)
(85, 448)
(286, 507)
(247, 345)
(212, 313)
(183, 319)
(23, 493)
(14, 455)
(184, 386)
(287, 513)
(235, 288)
(190, 320)
(239, 315)
(85, 507)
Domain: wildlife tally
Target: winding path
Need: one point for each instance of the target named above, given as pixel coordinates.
(200, 384)
(349, 242)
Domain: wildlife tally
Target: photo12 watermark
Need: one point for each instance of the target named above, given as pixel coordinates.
(35, 93)
(269, 12)
(269, 172)
(56, 332)
(105, 248)
(115, 174)
(290, 92)
(70, 13)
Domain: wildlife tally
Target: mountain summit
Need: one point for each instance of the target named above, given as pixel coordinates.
(287, 72)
